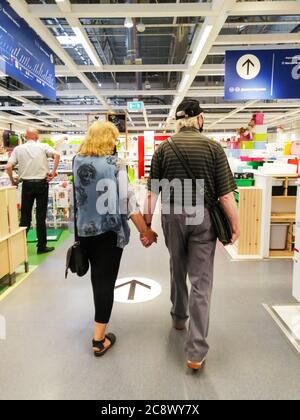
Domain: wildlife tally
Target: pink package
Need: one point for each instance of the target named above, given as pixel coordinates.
(233, 145)
(295, 150)
(259, 118)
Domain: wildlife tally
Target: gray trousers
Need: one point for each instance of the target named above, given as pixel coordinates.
(192, 252)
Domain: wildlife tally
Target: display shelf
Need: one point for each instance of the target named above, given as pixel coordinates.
(281, 254)
(250, 220)
(284, 197)
(13, 249)
(283, 175)
(283, 217)
(296, 237)
(276, 210)
(64, 171)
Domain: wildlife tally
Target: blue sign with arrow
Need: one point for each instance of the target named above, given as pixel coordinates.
(23, 55)
(262, 74)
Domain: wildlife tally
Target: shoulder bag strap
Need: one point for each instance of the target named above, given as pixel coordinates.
(74, 203)
(188, 169)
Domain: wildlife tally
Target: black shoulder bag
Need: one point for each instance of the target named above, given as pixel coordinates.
(219, 218)
(77, 260)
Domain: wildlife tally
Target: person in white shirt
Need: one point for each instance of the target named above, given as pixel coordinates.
(33, 168)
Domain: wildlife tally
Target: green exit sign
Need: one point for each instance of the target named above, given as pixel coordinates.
(135, 106)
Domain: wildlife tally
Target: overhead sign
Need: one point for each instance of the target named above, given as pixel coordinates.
(23, 55)
(262, 74)
(135, 106)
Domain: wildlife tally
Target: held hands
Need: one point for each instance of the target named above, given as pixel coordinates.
(148, 238)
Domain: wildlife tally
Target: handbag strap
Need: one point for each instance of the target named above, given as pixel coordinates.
(74, 203)
(188, 170)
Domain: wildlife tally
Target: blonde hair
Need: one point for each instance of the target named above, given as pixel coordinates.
(188, 122)
(100, 139)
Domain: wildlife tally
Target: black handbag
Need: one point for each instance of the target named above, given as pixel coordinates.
(219, 218)
(76, 261)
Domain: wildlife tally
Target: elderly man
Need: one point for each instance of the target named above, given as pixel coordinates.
(192, 246)
(33, 168)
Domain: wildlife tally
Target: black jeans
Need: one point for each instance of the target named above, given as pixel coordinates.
(38, 191)
(105, 258)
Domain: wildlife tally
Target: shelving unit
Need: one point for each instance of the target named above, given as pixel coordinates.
(296, 276)
(250, 220)
(257, 214)
(250, 213)
(277, 209)
(13, 247)
(147, 166)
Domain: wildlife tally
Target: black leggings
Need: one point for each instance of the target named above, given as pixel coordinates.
(105, 258)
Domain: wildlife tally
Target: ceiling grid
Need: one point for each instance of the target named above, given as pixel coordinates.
(178, 52)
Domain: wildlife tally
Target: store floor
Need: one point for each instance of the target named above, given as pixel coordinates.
(47, 353)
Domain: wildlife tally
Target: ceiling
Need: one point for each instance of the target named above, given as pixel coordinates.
(100, 64)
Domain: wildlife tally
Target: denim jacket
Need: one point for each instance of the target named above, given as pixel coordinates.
(104, 197)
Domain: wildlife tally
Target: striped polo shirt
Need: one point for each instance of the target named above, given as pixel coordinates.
(205, 157)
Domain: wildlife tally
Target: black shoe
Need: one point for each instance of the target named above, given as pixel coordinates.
(45, 250)
(98, 346)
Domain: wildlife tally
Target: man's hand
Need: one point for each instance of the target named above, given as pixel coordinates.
(51, 176)
(148, 238)
(235, 236)
(15, 182)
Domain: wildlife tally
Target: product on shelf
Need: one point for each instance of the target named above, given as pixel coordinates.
(10, 139)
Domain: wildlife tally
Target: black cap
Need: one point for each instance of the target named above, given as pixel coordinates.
(188, 109)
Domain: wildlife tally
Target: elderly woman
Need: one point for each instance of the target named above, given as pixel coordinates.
(105, 201)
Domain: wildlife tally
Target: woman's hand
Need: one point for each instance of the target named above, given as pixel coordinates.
(148, 238)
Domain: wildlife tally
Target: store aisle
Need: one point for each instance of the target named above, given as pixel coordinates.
(47, 352)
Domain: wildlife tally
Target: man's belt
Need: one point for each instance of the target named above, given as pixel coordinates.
(34, 180)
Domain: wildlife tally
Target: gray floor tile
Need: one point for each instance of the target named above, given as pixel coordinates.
(47, 353)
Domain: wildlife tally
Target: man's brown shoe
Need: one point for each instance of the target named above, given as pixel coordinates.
(196, 365)
(179, 325)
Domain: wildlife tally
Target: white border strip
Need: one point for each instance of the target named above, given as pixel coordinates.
(232, 252)
(10, 289)
(272, 79)
(284, 328)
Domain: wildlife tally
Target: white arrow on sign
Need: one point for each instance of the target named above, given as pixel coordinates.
(248, 67)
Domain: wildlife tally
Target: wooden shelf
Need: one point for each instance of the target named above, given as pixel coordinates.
(4, 238)
(281, 254)
(283, 175)
(13, 247)
(283, 217)
(277, 197)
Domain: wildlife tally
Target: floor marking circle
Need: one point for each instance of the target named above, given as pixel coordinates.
(136, 290)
